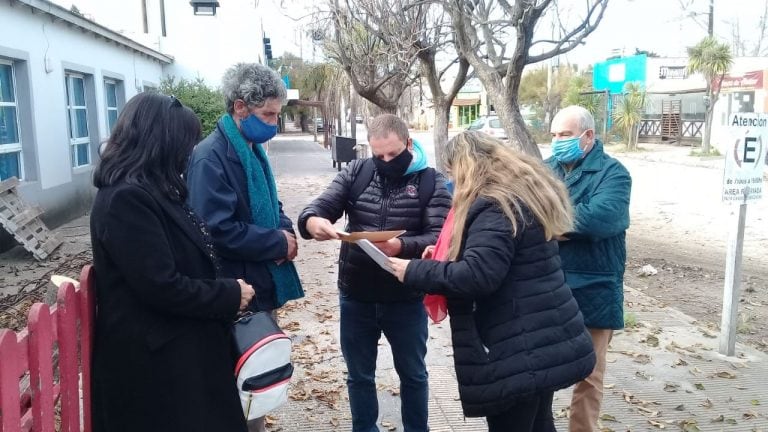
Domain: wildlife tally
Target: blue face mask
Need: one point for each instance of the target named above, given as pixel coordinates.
(567, 150)
(256, 131)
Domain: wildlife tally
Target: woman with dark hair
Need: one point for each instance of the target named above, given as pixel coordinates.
(162, 356)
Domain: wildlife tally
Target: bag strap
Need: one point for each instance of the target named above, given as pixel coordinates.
(361, 180)
(426, 187)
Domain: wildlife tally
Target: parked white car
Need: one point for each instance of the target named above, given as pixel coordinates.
(490, 125)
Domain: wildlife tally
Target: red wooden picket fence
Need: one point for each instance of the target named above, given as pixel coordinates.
(62, 375)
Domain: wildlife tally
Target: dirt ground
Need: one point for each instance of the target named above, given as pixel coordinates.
(691, 280)
(680, 231)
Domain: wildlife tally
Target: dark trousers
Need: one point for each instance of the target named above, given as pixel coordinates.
(405, 326)
(531, 415)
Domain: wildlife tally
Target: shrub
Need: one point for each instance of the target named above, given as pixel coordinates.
(206, 102)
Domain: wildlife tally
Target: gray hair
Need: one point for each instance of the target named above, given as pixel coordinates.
(583, 117)
(253, 83)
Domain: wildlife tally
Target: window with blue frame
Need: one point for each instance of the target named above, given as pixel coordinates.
(77, 114)
(110, 93)
(10, 138)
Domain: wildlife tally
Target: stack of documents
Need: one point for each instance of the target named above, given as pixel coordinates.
(364, 239)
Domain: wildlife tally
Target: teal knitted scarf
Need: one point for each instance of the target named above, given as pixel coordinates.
(265, 210)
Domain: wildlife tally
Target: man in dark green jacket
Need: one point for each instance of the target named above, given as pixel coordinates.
(594, 253)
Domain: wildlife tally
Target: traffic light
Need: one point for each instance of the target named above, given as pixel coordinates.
(267, 49)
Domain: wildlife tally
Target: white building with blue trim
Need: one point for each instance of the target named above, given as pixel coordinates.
(64, 79)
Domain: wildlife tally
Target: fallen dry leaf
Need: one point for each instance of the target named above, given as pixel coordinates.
(689, 425)
(749, 415)
(652, 340)
(607, 417)
(646, 411)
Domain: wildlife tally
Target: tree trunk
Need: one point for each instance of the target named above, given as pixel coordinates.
(340, 119)
(352, 113)
(705, 137)
(314, 123)
(637, 135)
(508, 110)
(440, 132)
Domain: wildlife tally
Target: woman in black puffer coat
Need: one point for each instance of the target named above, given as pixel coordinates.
(518, 335)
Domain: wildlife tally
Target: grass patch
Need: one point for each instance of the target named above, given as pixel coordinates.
(713, 152)
(630, 320)
(745, 325)
(620, 147)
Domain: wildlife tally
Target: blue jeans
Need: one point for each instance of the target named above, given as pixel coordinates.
(405, 326)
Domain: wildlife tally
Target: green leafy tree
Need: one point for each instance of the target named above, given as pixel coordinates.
(546, 102)
(206, 102)
(712, 59)
(629, 112)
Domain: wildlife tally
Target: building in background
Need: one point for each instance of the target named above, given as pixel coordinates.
(65, 76)
(676, 106)
(63, 81)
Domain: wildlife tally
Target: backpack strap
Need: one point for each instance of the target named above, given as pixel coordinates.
(426, 187)
(361, 180)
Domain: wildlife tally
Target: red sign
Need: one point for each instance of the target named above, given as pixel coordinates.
(746, 81)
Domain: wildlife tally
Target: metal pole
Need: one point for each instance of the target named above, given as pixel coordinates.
(732, 288)
(711, 27)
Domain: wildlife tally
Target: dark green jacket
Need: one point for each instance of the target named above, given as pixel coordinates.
(595, 253)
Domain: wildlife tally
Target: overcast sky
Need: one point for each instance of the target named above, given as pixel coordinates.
(655, 25)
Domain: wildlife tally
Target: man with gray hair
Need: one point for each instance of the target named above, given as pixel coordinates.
(231, 187)
(393, 190)
(594, 254)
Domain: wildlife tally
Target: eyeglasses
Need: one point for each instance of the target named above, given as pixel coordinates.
(174, 102)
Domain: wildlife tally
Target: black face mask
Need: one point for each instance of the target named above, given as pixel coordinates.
(395, 168)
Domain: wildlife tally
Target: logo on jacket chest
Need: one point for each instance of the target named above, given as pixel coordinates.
(411, 191)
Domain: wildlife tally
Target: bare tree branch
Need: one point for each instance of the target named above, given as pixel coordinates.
(573, 38)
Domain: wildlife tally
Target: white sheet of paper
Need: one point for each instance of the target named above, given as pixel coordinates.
(377, 255)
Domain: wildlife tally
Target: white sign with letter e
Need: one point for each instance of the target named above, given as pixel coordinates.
(744, 157)
(742, 183)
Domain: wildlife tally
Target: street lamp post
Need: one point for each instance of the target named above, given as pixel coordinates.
(204, 8)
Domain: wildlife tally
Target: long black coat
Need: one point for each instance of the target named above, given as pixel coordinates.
(516, 328)
(162, 357)
(383, 205)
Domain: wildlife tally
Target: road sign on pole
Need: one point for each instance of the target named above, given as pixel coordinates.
(742, 184)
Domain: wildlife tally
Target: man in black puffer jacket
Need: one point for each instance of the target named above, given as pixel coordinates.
(372, 301)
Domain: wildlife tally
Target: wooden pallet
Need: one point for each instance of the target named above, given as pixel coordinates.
(671, 120)
(23, 222)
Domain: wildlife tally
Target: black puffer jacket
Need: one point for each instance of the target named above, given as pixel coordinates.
(384, 205)
(516, 328)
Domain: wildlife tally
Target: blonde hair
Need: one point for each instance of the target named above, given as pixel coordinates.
(483, 166)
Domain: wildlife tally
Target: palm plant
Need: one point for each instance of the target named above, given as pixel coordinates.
(712, 59)
(629, 112)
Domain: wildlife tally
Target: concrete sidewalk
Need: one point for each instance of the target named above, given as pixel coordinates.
(663, 373)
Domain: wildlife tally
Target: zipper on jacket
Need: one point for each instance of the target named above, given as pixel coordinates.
(384, 203)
